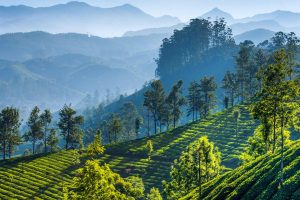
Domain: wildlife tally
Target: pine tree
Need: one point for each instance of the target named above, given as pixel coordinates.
(35, 132)
(69, 124)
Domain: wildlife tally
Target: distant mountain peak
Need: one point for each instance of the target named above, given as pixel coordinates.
(217, 13)
(78, 3)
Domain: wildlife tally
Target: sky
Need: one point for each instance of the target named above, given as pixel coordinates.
(183, 9)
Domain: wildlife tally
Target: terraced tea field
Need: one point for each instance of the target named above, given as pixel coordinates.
(259, 180)
(42, 177)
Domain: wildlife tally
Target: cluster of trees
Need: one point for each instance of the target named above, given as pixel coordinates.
(196, 166)
(39, 130)
(200, 44)
(277, 107)
(167, 109)
(244, 83)
(95, 181)
(122, 125)
(201, 97)
(164, 109)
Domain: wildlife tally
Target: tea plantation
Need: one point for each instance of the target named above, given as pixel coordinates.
(43, 176)
(259, 179)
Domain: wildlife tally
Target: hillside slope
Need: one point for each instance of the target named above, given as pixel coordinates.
(258, 180)
(43, 176)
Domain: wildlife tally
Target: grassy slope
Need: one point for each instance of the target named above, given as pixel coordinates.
(258, 180)
(43, 176)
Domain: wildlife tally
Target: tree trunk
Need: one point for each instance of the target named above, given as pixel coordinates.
(282, 145)
(155, 126)
(45, 140)
(232, 98)
(148, 124)
(174, 122)
(274, 132)
(4, 149)
(33, 147)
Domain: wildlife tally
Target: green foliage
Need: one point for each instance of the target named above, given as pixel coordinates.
(197, 165)
(52, 140)
(35, 132)
(99, 182)
(114, 128)
(52, 171)
(193, 48)
(207, 89)
(258, 179)
(230, 85)
(96, 147)
(149, 147)
(154, 195)
(46, 118)
(129, 115)
(69, 124)
(175, 101)
(154, 101)
(9, 131)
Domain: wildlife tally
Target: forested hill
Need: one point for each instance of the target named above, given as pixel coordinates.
(202, 48)
(44, 176)
(258, 179)
(25, 46)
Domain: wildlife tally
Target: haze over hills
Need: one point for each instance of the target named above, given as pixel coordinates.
(64, 18)
(257, 36)
(273, 22)
(66, 78)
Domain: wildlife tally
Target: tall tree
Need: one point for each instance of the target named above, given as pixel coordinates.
(195, 166)
(9, 130)
(208, 88)
(46, 118)
(69, 124)
(52, 139)
(154, 100)
(192, 99)
(128, 115)
(278, 99)
(243, 64)
(138, 124)
(35, 132)
(114, 128)
(230, 85)
(175, 101)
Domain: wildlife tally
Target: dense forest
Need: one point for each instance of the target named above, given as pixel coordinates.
(219, 121)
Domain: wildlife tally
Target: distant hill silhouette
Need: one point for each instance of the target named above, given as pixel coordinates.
(79, 17)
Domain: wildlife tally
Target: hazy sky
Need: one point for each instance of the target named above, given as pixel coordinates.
(184, 9)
